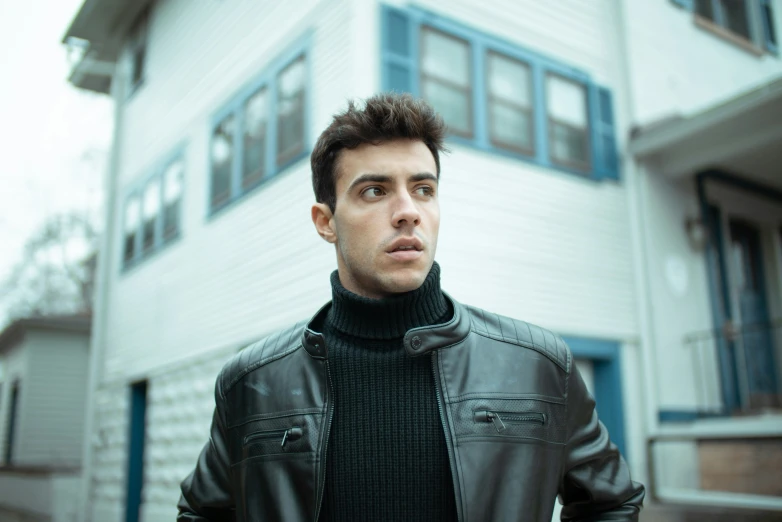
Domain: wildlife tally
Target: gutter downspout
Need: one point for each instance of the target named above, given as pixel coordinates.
(634, 182)
(98, 339)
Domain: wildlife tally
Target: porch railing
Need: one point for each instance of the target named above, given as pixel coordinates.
(737, 368)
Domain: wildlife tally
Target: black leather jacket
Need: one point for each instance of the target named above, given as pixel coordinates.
(519, 424)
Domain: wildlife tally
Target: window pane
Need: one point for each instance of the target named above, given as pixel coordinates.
(569, 145)
(704, 8)
(567, 116)
(736, 19)
(222, 160)
(445, 79)
(510, 122)
(768, 20)
(172, 194)
(132, 215)
(566, 101)
(453, 104)
(446, 57)
(254, 138)
(509, 80)
(290, 111)
(510, 127)
(150, 210)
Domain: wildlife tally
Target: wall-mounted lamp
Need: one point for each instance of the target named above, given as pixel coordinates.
(696, 233)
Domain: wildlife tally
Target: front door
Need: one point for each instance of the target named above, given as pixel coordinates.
(754, 334)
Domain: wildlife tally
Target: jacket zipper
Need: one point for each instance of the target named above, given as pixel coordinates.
(499, 418)
(290, 434)
(330, 414)
(448, 441)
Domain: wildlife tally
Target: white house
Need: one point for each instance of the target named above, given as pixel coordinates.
(43, 387)
(551, 212)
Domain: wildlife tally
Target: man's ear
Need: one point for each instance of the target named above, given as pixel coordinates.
(323, 219)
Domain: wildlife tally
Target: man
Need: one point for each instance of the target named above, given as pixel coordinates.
(395, 402)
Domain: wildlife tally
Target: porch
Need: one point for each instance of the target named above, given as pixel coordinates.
(720, 346)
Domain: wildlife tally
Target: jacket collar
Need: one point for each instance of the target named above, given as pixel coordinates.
(417, 341)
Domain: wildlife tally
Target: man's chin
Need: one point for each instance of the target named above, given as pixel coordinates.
(404, 279)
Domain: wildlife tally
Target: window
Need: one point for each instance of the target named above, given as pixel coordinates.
(749, 23)
(510, 103)
(445, 78)
(132, 215)
(255, 119)
(172, 194)
(290, 111)
(567, 122)
(138, 50)
(152, 212)
(261, 131)
(499, 97)
(222, 160)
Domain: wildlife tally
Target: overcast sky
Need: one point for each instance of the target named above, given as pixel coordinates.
(50, 131)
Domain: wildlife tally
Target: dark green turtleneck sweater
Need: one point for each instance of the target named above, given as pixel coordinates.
(387, 459)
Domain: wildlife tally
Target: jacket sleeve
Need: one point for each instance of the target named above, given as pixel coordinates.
(595, 484)
(206, 493)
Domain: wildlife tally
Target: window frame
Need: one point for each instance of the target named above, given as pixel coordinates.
(581, 167)
(490, 99)
(137, 189)
(138, 37)
(469, 91)
(603, 164)
(760, 26)
(266, 79)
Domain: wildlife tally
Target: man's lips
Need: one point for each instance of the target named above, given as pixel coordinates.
(406, 249)
(406, 244)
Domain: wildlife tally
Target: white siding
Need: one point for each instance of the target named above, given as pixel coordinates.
(676, 311)
(542, 246)
(676, 67)
(15, 364)
(258, 265)
(56, 388)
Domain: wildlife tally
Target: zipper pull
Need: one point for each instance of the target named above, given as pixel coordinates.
(490, 416)
(291, 434)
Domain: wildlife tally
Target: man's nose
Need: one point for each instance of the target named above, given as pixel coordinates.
(405, 211)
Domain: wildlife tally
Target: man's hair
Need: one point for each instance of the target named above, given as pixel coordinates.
(384, 117)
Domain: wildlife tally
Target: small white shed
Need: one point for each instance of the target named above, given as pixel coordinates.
(43, 388)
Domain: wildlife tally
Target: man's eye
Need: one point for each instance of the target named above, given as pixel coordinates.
(372, 192)
(425, 190)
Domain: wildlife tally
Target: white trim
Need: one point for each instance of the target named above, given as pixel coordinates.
(713, 499)
(670, 134)
(767, 425)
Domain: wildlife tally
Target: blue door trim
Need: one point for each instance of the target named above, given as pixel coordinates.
(607, 367)
(719, 290)
(137, 432)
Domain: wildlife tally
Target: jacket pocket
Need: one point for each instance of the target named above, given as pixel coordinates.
(501, 419)
(513, 419)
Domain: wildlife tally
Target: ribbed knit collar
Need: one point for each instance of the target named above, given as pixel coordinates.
(390, 317)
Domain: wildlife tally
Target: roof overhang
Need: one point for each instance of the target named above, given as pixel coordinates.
(99, 29)
(14, 333)
(741, 135)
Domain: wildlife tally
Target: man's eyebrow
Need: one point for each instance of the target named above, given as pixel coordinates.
(385, 178)
(373, 178)
(421, 176)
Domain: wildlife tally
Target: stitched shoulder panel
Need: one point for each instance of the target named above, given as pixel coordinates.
(521, 333)
(268, 349)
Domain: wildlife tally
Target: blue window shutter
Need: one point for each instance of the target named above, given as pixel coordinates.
(769, 34)
(397, 55)
(685, 4)
(604, 153)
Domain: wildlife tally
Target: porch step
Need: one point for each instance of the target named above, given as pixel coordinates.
(668, 513)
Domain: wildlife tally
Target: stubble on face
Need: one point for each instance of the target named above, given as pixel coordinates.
(386, 198)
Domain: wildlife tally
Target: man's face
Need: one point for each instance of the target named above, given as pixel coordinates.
(387, 217)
